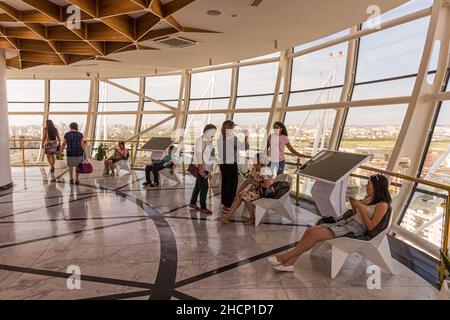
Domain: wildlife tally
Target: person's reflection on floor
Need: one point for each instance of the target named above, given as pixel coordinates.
(54, 198)
(78, 210)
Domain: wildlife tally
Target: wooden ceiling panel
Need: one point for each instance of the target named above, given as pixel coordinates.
(52, 34)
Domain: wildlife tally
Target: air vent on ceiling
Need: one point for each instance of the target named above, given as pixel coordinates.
(175, 42)
(256, 3)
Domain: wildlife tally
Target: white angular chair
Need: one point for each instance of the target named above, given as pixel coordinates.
(164, 175)
(122, 165)
(376, 250)
(282, 205)
(444, 294)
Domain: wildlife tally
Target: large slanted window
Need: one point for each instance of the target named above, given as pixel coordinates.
(116, 118)
(310, 130)
(210, 90)
(26, 131)
(256, 85)
(112, 98)
(69, 95)
(388, 63)
(114, 128)
(165, 89)
(26, 95)
(388, 60)
(318, 77)
(373, 131)
(425, 211)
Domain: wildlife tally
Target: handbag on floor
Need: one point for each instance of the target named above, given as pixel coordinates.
(85, 167)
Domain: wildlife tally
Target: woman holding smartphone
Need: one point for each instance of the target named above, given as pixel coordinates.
(367, 215)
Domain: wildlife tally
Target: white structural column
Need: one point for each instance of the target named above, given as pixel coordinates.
(183, 106)
(5, 162)
(279, 103)
(412, 140)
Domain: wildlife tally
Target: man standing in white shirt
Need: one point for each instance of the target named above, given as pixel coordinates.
(204, 157)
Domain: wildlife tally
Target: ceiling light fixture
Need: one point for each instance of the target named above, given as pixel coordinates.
(213, 13)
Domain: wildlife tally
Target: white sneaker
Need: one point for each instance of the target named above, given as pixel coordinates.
(284, 268)
(273, 261)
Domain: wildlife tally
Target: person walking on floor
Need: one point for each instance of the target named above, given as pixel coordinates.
(50, 142)
(76, 151)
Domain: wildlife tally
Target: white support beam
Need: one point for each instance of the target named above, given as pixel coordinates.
(138, 135)
(436, 97)
(233, 91)
(353, 104)
(139, 116)
(92, 108)
(141, 105)
(287, 81)
(412, 139)
(277, 110)
(45, 117)
(5, 161)
(183, 106)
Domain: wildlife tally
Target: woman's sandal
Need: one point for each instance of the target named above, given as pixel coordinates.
(249, 222)
(223, 220)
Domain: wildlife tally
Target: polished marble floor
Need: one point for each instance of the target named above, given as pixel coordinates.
(129, 243)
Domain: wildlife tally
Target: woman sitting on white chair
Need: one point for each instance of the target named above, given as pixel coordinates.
(120, 153)
(367, 214)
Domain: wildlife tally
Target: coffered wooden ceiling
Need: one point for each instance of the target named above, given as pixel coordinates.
(45, 34)
(122, 38)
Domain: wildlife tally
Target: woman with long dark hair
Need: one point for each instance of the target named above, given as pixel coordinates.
(367, 215)
(230, 148)
(276, 143)
(50, 142)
